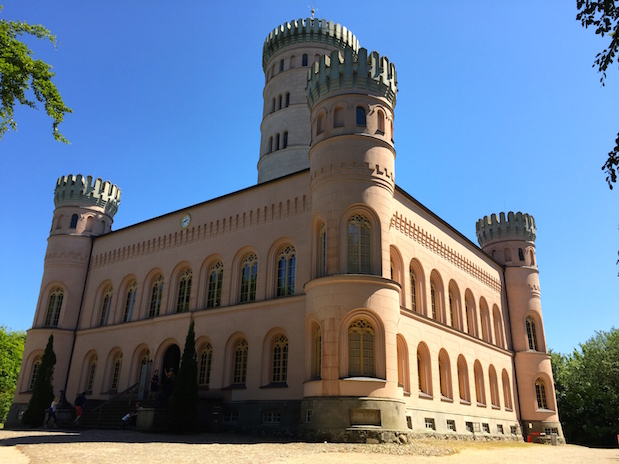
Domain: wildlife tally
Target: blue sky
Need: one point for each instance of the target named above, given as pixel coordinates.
(498, 109)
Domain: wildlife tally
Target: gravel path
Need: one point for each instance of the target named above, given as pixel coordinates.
(117, 447)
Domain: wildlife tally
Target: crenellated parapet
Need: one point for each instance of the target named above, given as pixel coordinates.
(363, 72)
(308, 30)
(71, 190)
(517, 226)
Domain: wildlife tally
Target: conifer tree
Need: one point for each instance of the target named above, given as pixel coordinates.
(42, 390)
(183, 408)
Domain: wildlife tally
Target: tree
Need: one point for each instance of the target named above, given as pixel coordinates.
(183, 409)
(42, 391)
(586, 387)
(19, 72)
(11, 351)
(603, 15)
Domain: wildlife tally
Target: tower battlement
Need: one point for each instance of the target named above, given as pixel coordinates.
(518, 226)
(308, 30)
(370, 73)
(79, 190)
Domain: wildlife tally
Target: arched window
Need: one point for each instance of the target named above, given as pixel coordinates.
(273, 106)
(322, 251)
(155, 297)
(106, 304)
(53, 307)
(498, 326)
(90, 374)
(463, 380)
(507, 391)
(361, 349)
(287, 99)
(215, 279)
(424, 371)
(90, 222)
(480, 388)
(281, 65)
(304, 60)
(118, 360)
(285, 139)
(531, 335)
(286, 264)
(403, 374)
(132, 290)
(271, 144)
(293, 60)
(360, 116)
(359, 230)
(444, 371)
(276, 142)
(279, 359)
(471, 320)
(520, 254)
(433, 299)
(415, 294)
(508, 254)
(486, 333)
(532, 257)
(540, 393)
(338, 117)
(249, 273)
(74, 219)
(320, 123)
(103, 227)
(494, 388)
(279, 99)
(59, 222)
(34, 372)
(317, 352)
(239, 372)
(451, 308)
(380, 120)
(204, 369)
(184, 291)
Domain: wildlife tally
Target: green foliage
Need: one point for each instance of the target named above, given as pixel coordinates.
(603, 16)
(183, 409)
(587, 388)
(19, 72)
(42, 391)
(11, 351)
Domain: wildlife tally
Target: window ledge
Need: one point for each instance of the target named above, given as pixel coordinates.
(364, 379)
(276, 385)
(545, 410)
(235, 386)
(446, 399)
(481, 405)
(425, 396)
(509, 409)
(468, 403)
(496, 407)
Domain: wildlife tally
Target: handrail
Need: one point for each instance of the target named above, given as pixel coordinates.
(128, 390)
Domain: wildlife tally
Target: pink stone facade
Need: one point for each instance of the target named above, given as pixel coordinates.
(325, 298)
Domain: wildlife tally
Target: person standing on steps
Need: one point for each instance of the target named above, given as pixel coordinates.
(51, 412)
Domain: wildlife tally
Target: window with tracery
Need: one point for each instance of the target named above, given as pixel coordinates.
(286, 265)
(90, 375)
(531, 335)
(215, 280)
(155, 297)
(413, 290)
(130, 301)
(118, 360)
(35, 371)
(249, 273)
(239, 373)
(463, 380)
(106, 304)
(451, 309)
(204, 367)
(540, 392)
(359, 231)
(53, 307)
(433, 298)
(184, 291)
(279, 352)
(361, 349)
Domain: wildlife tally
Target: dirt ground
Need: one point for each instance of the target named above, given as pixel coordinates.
(117, 447)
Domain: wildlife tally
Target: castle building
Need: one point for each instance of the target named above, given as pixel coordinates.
(325, 298)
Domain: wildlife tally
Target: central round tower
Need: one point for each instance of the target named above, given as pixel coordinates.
(287, 53)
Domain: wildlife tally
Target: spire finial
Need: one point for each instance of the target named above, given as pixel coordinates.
(313, 10)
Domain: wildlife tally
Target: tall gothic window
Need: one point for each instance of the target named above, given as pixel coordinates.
(155, 297)
(279, 351)
(74, 219)
(463, 380)
(118, 360)
(106, 304)
(322, 251)
(215, 280)
(204, 370)
(239, 373)
(414, 290)
(53, 307)
(304, 60)
(444, 372)
(361, 349)
(451, 309)
(286, 260)
(90, 374)
(35, 371)
(359, 231)
(249, 273)
(531, 335)
(433, 299)
(540, 392)
(130, 301)
(317, 353)
(361, 120)
(184, 291)
(480, 389)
